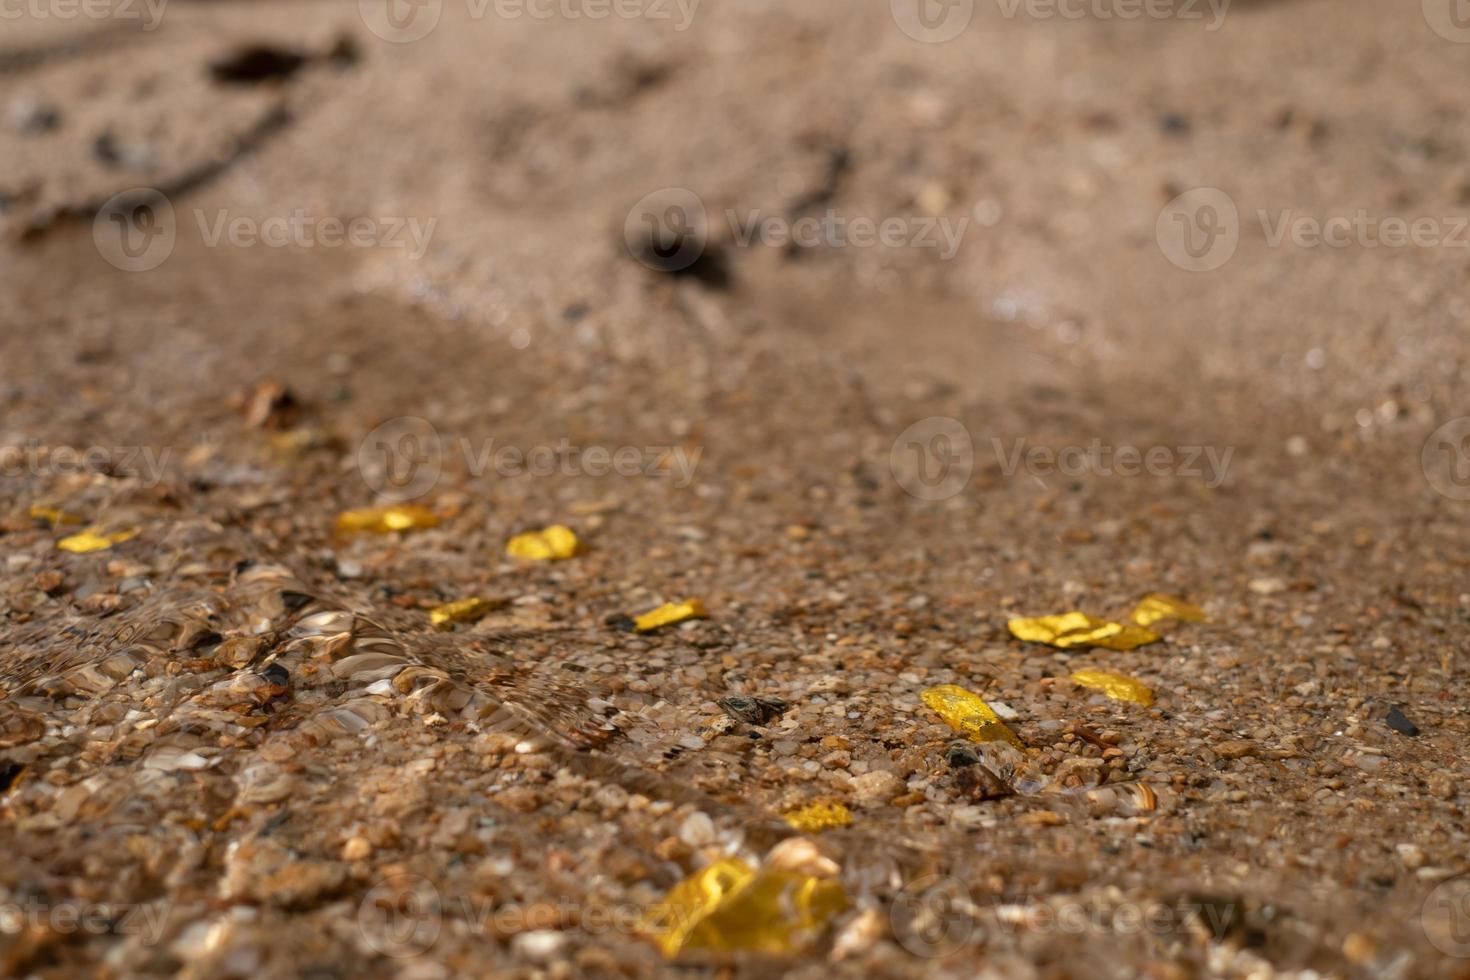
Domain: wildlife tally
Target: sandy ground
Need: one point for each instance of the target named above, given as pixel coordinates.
(865, 458)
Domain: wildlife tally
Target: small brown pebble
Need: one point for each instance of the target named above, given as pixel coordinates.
(52, 583)
(1359, 949)
(1235, 748)
(876, 787)
(672, 849)
(357, 849)
(1040, 818)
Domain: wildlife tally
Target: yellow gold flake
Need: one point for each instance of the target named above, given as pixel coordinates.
(730, 906)
(816, 817)
(967, 712)
(386, 520)
(94, 539)
(669, 614)
(462, 611)
(1116, 686)
(1075, 629)
(53, 515)
(1153, 608)
(553, 544)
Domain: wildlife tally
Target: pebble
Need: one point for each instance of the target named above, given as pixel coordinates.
(1412, 855)
(697, 830)
(540, 945)
(29, 114)
(970, 817)
(876, 787)
(357, 849)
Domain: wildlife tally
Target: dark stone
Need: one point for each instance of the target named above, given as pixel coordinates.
(1173, 124)
(1401, 724)
(752, 709)
(256, 63)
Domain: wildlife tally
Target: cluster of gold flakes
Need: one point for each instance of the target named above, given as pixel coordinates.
(1073, 630)
(817, 817)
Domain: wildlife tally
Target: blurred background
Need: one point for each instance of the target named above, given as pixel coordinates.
(832, 271)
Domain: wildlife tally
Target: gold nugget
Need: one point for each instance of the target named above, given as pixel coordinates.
(553, 544)
(1153, 608)
(462, 611)
(967, 712)
(1116, 686)
(387, 520)
(93, 539)
(669, 614)
(730, 906)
